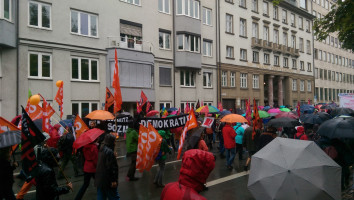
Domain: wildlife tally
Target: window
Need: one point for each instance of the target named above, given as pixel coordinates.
(207, 79)
(301, 24)
(276, 60)
(255, 57)
(164, 40)
(292, 19)
(266, 33)
(276, 36)
(329, 57)
(229, 23)
(165, 105)
(324, 57)
(255, 81)
(302, 65)
(303, 4)
(40, 65)
(321, 73)
(165, 76)
(39, 15)
(307, 26)
(243, 3)
(275, 12)
(187, 78)
(164, 6)
(333, 76)
(293, 41)
(243, 80)
(255, 5)
(315, 53)
(229, 52)
(5, 9)
(294, 64)
(224, 78)
(188, 43)
(84, 69)
(302, 85)
(285, 62)
(134, 2)
(294, 85)
(265, 8)
(243, 54)
(133, 74)
(309, 67)
(188, 8)
(207, 16)
(254, 30)
(285, 39)
(325, 73)
(308, 47)
(83, 108)
(284, 17)
(243, 28)
(316, 73)
(84, 23)
(336, 42)
(266, 58)
(207, 48)
(332, 41)
(184, 105)
(232, 79)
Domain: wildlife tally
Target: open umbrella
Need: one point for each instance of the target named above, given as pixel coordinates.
(285, 109)
(10, 138)
(152, 113)
(266, 108)
(307, 108)
(207, 109)
(172, 109)
(225, 112)
(324, 116)
(274, 110)
(100, 115)
(341, 111)
(87, 137)
(195, 137)
(340, 127)
(287, 114)
(262, 114)
(283, 122)
(311, 119)
(294, 169)
(233, 118)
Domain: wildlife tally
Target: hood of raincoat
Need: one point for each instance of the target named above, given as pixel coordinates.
(195, 169)
(300, 129)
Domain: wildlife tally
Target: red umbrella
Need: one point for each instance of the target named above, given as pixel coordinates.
(152, 113)
(87, 137)
(287, 114)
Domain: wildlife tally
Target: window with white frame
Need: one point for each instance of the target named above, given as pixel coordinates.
(276, 60)
(83, 108)
(254, 5)
(243, 54)
(294, 64)
(275, 36)
(255, 81)
(302, 65)
(292, 19)
(207, 79)
(229, 23)
(285, 16)
(309, 86)
(39, 15)
(266, 59)
(265, 8)
(84, 69)
(229, 52)
(184, 105)
(188, 43)
(293, 41)
(243, 27)
(309, 67)
(6, 9)
(164, 40)
(326, 4)
(302, 85)
(301, 23)
(285, 62)
(255, 57)
(224, 78)
(275, 12)
(243, 3)
(84, 23)
(294, 85)
(232, 79)
(164, 6)
(165, 105)
(134, 2)
(165, 76)
(301, 44)
(207, 103)
(207, 16)
(188, 8)
(243, 80)
(265, 33)
(307, 26)
(207, 48)
(40, 65)
(303, 4)
(187, 78)
(254, 30)
(308, 47)
(285, 39)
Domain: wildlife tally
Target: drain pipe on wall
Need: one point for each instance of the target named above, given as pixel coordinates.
(174, 53)
(17, 56)
(218, 58)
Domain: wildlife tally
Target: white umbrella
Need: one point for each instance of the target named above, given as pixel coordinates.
(294, 169)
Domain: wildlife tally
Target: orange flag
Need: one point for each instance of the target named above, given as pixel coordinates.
(152, 147)
(109, 99)
(80, 126)
(142, 140)
(7, 126)
(45, 123)
(191, 123)
(34, 111)
(59, 98)
(117, 93)
(50, 111)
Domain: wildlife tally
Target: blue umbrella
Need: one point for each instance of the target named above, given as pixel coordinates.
(225, 112)
(282, 107)
(172, 109)
(67, 122)
(266, 108)
(309, 108)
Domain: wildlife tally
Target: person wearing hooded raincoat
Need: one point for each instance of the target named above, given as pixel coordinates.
(300, 135)
(229, 135)
(6, 174)
(195, 169)
(161, 158)
(132, 148)
(238, 139)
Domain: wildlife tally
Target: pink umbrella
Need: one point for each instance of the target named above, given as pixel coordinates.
(152, 113)
(287, 114)
(260, 107)
(274, 110)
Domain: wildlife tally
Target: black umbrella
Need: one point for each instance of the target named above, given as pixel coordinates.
(10, 138)
(327, 107)
(195, 137)
(341, 111)
(311, 119)
(340, 127)
(283, 122)
(324, 116)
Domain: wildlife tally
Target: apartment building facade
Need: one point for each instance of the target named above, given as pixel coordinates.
(334, 66)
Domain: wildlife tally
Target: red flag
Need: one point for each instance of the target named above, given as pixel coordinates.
(197, 105)
(143, 98)
(116, 85)
(191, 123)
(45, 123)
(138, 107)
(50, 111)
(59, 98)
(298, 108)
(309, 101)
(220, 107)
(256, 118)
(248, 111)
(187, 109)
(80, 126)
(148, 105)
(109, 99)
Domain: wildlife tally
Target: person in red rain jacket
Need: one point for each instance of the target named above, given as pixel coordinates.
(229, 135)
(195, 169)
(91, 155)
(300, 135)
(54, 136)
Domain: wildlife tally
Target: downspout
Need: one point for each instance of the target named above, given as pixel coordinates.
(174, 53)
(218, 54)
(17, 56)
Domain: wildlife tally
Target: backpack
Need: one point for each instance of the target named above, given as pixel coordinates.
(298, 137)
(331, 152)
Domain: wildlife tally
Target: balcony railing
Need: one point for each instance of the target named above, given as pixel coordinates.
(277, 48)
(267, 46)
(256, 43)
(130, 43)
(296, 53)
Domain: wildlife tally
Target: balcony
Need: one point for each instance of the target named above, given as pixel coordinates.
(7, 34)
(267, 46)
(256, 43)
(277, 48)
(132, 43)
(296, 53)
(286, 50)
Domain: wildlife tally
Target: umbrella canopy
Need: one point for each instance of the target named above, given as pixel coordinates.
(225, 112)
(10, 138)
(207, 109)
(67, 122)
(308, 108)
(87, 137)
(287, 114)
(262, 114)
(327, 107)
(152, 113)
(100, 115)
(195, 137)
(285, 109)
(233, 118)
(274, 110)
(324, 116)
(172, 109)
(294, 169)
(341, 111)
(266, 108)
(311, 119)
(340, 127)
(283, 122)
